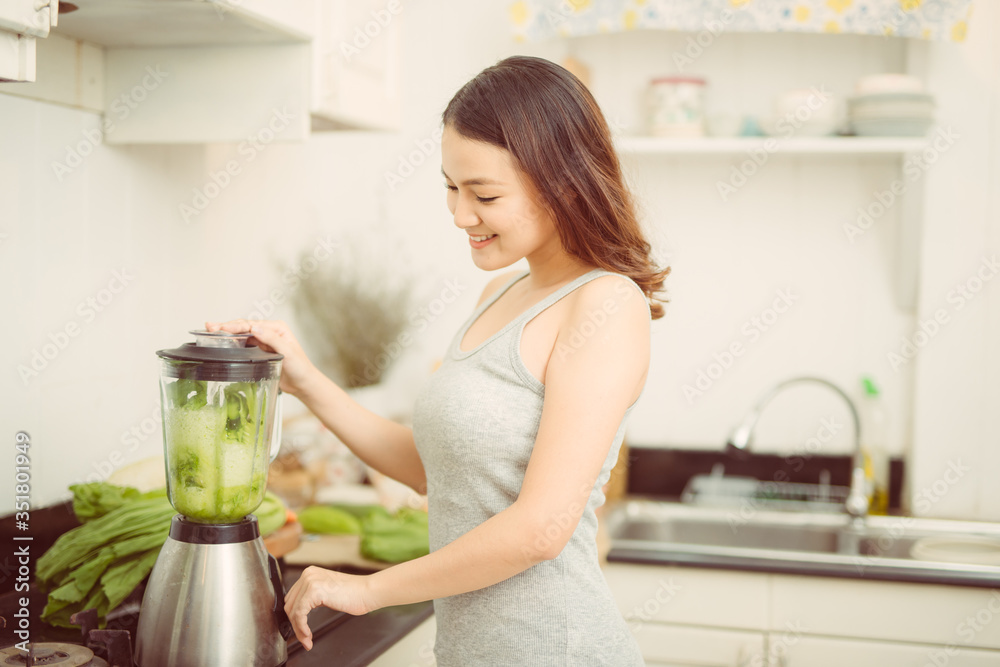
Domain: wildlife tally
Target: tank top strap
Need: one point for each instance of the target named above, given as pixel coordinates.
(491, 299)
(529, 314)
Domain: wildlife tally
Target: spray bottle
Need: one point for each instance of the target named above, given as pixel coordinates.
(874, 445)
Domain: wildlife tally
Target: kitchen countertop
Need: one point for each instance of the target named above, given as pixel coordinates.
(343, 640)
(340, 640)
(869, 570)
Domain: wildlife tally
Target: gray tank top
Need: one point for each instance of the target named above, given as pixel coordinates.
(474, 424)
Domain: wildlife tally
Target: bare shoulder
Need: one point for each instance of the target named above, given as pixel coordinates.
(495, 284)
(615, 297)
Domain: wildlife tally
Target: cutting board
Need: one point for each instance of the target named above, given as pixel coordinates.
(283, 540)
(331, 551)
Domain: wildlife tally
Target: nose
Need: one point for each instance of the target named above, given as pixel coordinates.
(465, 216)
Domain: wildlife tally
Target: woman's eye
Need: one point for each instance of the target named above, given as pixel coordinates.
(453, 188)
(486, 200)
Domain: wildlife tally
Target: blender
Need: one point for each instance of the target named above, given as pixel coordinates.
(214, 596)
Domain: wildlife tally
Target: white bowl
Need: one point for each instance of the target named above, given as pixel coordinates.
(968, 549)
(891, 127)
(888, 83)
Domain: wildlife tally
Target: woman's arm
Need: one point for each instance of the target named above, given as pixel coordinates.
(381, 443)
(589, 385)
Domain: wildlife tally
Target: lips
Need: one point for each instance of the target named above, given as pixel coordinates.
(481, 241)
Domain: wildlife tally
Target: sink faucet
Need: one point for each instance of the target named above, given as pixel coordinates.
(857, 500)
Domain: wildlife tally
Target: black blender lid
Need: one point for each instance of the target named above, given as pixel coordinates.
(220, 346)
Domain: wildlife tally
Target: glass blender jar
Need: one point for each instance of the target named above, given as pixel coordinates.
(215, 595)
(220, 425)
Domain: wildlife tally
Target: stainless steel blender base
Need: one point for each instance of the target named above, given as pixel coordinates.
(212, 605)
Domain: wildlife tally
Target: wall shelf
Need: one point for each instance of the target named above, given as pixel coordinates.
(634, 145)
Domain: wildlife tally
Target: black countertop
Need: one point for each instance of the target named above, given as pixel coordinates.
(340, 640)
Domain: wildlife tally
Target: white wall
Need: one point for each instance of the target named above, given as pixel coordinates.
(956, 445)
(783, 231)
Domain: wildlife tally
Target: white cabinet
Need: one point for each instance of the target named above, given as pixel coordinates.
(414, 650)
(356, 59)
(888, 611)
(239, 71)
(684, 646)
(835, 652)
(691, 616)
(686, 616)
(21, 21)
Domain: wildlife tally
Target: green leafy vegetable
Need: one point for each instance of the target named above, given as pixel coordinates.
(395, 539)
(98, 564)
(271, 515)
(91, 501)
(328, 520)
(95, 565)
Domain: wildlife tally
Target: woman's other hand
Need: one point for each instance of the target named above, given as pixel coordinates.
(275, 336)
(324, 588)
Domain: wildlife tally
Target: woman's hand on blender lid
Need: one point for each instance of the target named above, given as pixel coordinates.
(275, 336)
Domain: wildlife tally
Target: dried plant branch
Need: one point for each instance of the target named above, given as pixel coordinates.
(351, 308)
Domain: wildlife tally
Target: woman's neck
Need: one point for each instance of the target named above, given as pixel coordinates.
(551, 267)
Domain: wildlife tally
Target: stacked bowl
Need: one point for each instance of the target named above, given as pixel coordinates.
(890, 105)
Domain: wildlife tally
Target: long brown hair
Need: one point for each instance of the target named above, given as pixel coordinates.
(552, 127)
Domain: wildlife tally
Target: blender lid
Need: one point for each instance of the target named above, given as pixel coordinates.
(219, 347)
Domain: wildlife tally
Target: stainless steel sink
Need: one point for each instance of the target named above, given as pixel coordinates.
(709, 531)
(795, 542)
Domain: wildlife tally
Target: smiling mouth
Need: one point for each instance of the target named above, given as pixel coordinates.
(480, 239)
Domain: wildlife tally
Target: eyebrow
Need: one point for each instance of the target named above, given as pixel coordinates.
(475, 181)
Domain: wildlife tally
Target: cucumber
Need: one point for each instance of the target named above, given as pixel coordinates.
(327, 520)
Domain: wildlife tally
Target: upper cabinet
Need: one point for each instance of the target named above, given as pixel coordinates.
(356, 65)
(256, 71)
(21, 21)
(176, 23)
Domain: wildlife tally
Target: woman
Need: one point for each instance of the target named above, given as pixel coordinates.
(516, 433)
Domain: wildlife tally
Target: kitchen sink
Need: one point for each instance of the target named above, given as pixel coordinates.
(710, 531)
(882, 547)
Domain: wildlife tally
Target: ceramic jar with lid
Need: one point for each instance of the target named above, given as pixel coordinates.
(676, 106)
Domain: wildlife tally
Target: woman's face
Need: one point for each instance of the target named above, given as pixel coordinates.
(492, 204)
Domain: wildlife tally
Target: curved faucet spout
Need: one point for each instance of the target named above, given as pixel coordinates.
(742, 436)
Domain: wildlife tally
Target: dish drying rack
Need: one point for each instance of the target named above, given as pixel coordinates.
(717, 490)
